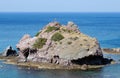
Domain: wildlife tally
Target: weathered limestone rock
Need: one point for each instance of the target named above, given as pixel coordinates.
(26, 42)
(55, 24)
(9, 52)
(72, 26)
(70, 47)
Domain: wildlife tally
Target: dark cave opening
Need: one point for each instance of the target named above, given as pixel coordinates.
(28, 51)
(92, 60)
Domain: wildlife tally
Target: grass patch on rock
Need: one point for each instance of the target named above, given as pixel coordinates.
(39, 43)
(51, 28)
(57, 37)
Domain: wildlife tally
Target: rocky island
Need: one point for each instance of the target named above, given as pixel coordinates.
(59, 46)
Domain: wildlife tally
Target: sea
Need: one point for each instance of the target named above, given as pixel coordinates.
(105, 27)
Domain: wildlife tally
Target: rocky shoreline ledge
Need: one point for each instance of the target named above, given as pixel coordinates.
(57, 46)
(36, 65)
(111, 50)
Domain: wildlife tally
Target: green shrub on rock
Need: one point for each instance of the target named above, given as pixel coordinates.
(57, 37)
(66, 30)
(51, 28)
(40, 43)
(69, 42)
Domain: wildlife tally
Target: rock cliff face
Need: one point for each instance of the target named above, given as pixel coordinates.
(60, 44)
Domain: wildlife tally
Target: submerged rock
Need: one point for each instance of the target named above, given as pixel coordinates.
(9, 52)
(60, 44)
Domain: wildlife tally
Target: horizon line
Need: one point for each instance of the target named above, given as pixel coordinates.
(53, 12)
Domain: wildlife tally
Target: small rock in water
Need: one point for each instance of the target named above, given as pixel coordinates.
(113, 62)
(9, 52)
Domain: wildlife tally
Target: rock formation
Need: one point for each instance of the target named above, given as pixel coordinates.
(61, 44)
(116, 49)
(9, 52)
(112, 50)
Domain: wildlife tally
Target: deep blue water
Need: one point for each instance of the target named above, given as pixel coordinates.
(104, 26)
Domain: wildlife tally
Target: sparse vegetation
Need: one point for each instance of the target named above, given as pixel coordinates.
(73, 38)
(39, 43)
(66, 30)
(57, 37)
(51, 28)
(69, 42)
(60, 42)
(85, 39)
(70, 31)
(37, 34)
(81, 44)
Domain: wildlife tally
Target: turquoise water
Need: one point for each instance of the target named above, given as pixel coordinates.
(104, 26)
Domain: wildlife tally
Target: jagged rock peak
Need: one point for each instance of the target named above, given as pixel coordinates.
(57, 24)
